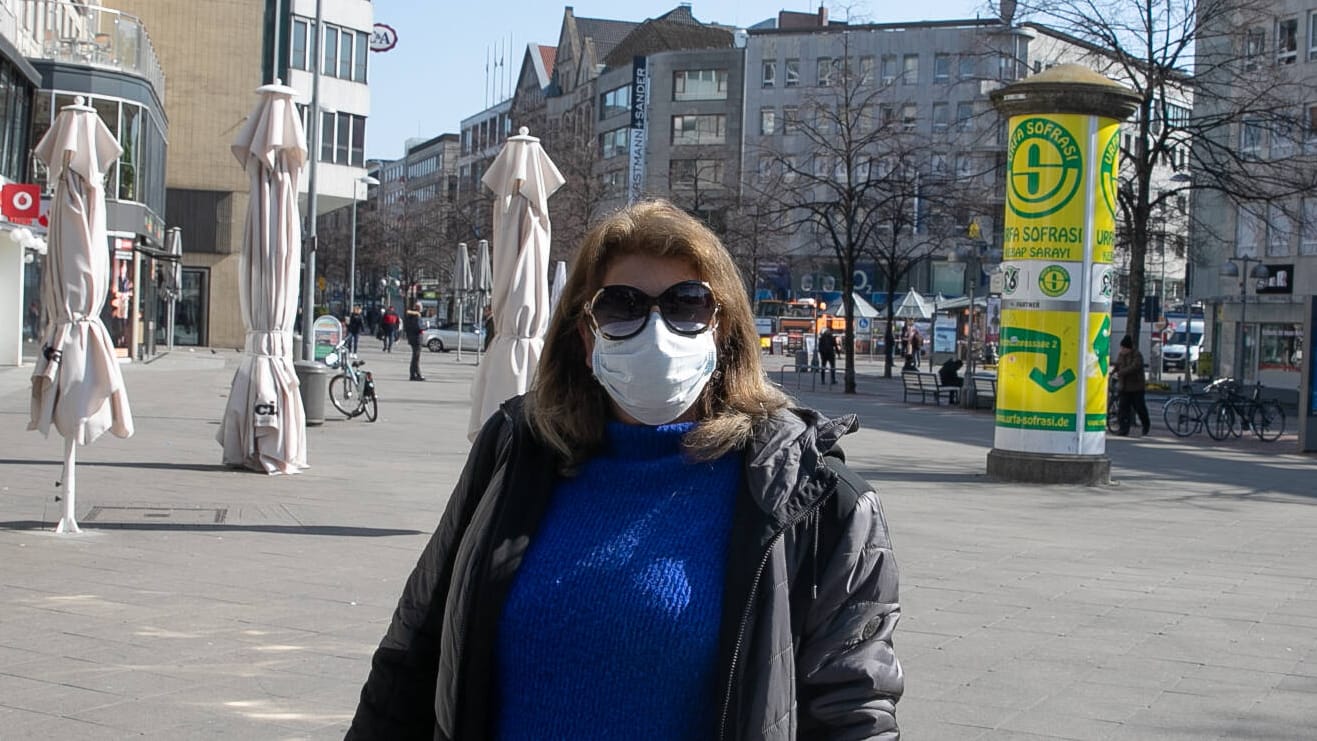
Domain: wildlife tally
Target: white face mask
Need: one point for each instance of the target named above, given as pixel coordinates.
(658, 374)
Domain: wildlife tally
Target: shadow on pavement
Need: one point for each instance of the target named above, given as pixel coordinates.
(206, 467)
(331, 530)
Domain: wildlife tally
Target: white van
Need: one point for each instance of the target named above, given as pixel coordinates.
(1174, 349)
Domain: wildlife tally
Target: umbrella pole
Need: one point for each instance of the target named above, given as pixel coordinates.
(461, 314)
(68, 523)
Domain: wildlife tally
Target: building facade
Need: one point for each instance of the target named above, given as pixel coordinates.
(1265, 232)
(217, 55)
(107, 59)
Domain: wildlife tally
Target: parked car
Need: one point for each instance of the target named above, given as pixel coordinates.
(444, 337)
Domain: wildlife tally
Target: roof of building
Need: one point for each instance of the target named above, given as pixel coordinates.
(676, 29)
(603, 32)
(548, 54)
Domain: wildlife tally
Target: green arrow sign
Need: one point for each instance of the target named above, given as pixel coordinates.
(1017, 340)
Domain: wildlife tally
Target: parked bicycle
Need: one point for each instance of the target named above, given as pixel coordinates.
(1186, 413)
(351, 390)
(1234, 412)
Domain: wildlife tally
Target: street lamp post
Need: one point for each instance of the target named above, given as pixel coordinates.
(352, 251)
(1231, 270)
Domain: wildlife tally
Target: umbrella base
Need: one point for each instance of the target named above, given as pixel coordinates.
(67, 525)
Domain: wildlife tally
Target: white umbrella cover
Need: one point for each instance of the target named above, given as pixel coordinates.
(522, 178)
(76, 385)
(559, 280)
(264, 424)
(462, 283)
(484, 284)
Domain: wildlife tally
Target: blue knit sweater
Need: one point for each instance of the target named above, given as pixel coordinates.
(610, 629)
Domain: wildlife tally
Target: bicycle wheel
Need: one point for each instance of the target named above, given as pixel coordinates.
(1220, 420)
(1181, 416)
(371, 408)
(343, 395)
(1113, 421)
(1268, 420)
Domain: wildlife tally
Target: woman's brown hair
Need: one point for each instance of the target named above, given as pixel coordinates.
(569, 409)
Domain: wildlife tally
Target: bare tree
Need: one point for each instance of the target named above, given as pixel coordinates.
(1166, 50)
(571, 144)
(867, 188)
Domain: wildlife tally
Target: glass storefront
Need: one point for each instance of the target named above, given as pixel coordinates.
(190, 308)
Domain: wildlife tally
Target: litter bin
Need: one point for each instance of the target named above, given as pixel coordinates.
(802, 361)
(313, 377)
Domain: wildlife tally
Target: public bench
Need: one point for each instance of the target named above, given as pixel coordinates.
(924, 384)
(985, 391)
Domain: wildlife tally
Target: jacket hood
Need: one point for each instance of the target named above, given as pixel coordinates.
(783, 454)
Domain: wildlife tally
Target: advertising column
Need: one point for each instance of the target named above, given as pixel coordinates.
(1057, 246)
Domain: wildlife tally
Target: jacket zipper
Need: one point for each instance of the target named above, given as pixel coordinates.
(750, 600)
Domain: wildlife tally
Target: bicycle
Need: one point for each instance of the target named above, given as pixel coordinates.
(1234, 412)
(351, 391)
(1183, 414)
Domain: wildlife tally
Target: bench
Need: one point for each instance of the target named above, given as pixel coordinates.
(924, 384)
(985, 391)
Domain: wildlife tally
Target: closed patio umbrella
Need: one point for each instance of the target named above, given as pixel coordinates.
(522, 178)
(484, 285)
(76, 385)
(264, 423)
(559, 280)
(463, 284)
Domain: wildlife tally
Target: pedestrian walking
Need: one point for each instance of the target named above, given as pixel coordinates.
(411, 325)
(389, 328)
(652, 542)
(355, 325)
(1131, 384)
(828, 348)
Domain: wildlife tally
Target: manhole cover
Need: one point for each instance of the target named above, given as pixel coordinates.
(171, 515)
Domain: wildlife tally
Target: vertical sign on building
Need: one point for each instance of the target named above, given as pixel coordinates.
(639, 126)
(1057, 283)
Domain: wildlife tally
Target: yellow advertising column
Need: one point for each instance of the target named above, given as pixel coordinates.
(1062, 162)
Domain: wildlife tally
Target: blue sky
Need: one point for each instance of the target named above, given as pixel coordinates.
(435, 77)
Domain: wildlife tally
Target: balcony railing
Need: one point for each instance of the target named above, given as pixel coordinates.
(77, 33)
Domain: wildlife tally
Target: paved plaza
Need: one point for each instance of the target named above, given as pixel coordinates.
(1177, 603)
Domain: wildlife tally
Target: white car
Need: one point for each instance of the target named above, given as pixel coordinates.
(444, 337)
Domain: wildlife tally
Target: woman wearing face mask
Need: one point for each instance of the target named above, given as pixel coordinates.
(652, 543)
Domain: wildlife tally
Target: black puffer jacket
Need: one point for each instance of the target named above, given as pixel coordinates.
(810, 598)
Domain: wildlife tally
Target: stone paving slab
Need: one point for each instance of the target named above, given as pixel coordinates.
(1177, 603)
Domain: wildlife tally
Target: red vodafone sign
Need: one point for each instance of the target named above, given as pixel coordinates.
(20, 201)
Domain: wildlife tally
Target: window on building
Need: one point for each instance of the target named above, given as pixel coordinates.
(1279, 229)
(910, 69)
(346, 59)
(614, 102)
(767, 121)
(770, 72)
(909, 116)
(790, 120)
(886, 115)
(1308, 229)
(1255, 45)
(790, 168)
(1287, 41)
(1312, 36)
(941, 116)
(967, 67)
(866, 70)
(327, 121)
(363, 52)
(889, 68)
(699, 84)
(615, 143)
(1250, 138)
(301, 33)
(941, 67)
(964, 166)
(695, 173)
(1249, 228)
(330, 65)
(699, 129)
(793, 72)
(825, 71)
(964, 116)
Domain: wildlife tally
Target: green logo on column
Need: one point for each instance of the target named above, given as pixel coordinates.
(1108, 173)
(1054, 280)
(1045, 165)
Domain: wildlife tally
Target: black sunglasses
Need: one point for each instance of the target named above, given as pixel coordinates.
(619, 312)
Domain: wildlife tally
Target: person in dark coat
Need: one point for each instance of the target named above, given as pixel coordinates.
(355, 326)
(411, 325)
(948, 374)
(652, 543)
(1131, 384)
(828, 347)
